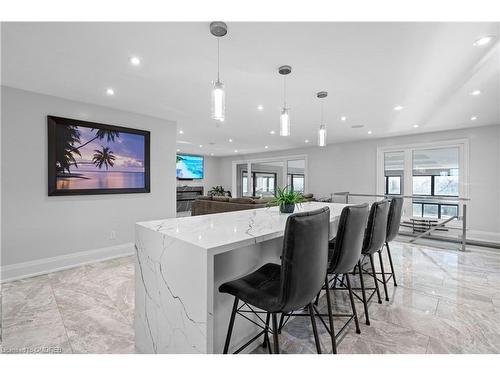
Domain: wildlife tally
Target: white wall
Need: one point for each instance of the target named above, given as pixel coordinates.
(36, 227)
(211, 176)
(352, 167)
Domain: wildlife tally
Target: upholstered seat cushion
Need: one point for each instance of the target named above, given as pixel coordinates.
(260, 288)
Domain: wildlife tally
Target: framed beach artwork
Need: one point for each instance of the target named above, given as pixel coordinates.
(91, 158)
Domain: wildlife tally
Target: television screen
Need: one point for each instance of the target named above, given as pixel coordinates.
(92, 158)
(189, 167)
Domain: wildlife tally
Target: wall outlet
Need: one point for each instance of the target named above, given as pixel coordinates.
(112, 235)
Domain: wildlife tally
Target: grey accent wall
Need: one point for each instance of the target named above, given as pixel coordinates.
(352, 167)
(36, 226)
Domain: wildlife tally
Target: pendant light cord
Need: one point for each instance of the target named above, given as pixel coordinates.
(284, 91)
(218, 58)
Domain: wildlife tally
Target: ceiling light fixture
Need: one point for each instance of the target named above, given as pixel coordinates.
(343, 118)
(201, 146)
(369, 132)
(110, 92)
(306, 141)
(260, 107)
(211, 154)
(476, 92)
(266, 147)
(322, 126)
(134, 60)
(398, 108)
(218, 29)
(235, 150)
(178, 150)
(473, 118)
(230, 140)
(285, 112)
(272, 132)
(483, 41)
(181, 131)
(416, 126)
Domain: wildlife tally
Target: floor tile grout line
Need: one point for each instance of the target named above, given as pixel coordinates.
(60, 314)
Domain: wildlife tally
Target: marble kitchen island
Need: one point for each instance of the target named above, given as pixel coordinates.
(180, 263)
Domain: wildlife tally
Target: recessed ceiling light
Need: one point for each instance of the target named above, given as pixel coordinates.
(357, 126)
(181, 131)
(343, 118)
(416, 126)
(306, 141)
(483, 41)
(134, 60)
(211, 154)
(369, 132)
(230, 140)
(235, 150)
(201, 146)
(266, 147)
(398, 108)
(476, 92)
(260, 107)
(473, 118)
(272, 132)
(110, 92)
(178, 150)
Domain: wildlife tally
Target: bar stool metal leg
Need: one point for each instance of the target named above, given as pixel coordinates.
(384, 281)
(275, 335)
(372, 263)
(353, 305)
(231, 324)
(315, 329)
(390, 262)
(266, 342)
(281, 322)
(330, 317)
(363, 293)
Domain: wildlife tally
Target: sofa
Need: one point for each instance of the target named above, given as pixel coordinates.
(205, 205)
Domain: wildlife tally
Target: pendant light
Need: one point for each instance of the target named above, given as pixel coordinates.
(218, 29)
(322, 126)
(285, 112)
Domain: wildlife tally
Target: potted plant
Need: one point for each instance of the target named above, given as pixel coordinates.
(218, 191)
(286, 199)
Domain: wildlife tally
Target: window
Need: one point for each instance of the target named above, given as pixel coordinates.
(446, 185)
(422, 185)
(394, 172)
(296, 182)
(263, 184)
(393, 185)
(434, 210)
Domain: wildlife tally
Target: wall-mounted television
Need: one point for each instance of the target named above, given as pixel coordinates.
(93, 158)
(189, 167)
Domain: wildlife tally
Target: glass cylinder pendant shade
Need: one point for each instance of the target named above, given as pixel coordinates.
(322, 136)
(285, 122)
(218, 101)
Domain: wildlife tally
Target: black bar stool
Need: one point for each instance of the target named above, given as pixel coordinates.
(278, 289)
(393, 223)
(343, 255)
(374, 239)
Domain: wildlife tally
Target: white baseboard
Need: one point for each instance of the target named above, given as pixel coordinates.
(42, 266)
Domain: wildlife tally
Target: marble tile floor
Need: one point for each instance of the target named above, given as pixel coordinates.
(446, 302)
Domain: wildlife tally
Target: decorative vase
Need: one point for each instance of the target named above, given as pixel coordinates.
(287, 208)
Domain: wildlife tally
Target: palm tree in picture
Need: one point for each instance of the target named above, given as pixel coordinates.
(103, 157)
(100, 134)
(67, 137)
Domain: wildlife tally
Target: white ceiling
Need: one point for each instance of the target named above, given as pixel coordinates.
(367, 68)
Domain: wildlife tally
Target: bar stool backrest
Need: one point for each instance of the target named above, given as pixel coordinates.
(376, 229)
(349, 239)
(394, 219)
(304, 258)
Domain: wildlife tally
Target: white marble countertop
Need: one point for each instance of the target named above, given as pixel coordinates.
(229, 230)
